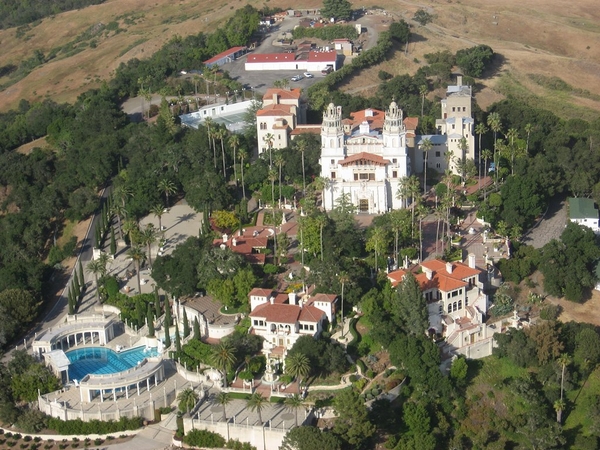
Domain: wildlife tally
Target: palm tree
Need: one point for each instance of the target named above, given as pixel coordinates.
(187, 399)
(302, 146)
(378, 242)
(223, 358)
(528, 130)
(279, 161)
(223, 399)
(321, 220)
(397, 224)
(463, 145)
(95, 267)
(423, 92)
(559, 406)
(297, 365)
(209, 123)
(256, 402)
(234, 142)
(421, 213)
(426, 146)
(564, 360)
(294, 403)
(119, 210)
(343, 278)
(486, 154)
(511, 135)
(138, 257)
(480, 130)
(272, 176)
(158, 210)
(268, 139)
(103, 260)
(495, 125)
(319, 184)
(148, 237)
(167, 187)
(409, 188)
(131, 228)
(221, 134)
(243, 155)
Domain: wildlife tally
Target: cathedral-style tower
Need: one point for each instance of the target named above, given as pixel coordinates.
(394, 140)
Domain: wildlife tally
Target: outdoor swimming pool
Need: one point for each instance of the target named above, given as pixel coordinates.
(100, 361)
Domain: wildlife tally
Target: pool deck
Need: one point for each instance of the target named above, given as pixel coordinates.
(161, 395)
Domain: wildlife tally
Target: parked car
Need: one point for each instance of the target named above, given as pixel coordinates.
(297, 77)
(308, 75)
(327, 70)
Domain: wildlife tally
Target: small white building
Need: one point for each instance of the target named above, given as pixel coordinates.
(583, 211)
(316, 61)
(282, 110)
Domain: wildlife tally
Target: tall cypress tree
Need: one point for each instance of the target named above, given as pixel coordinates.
(177, 338)
(196, 329)
(167, 336)
(81, 278)
(157, 309)
(71, 302)
(168, 319)
(97, 237)
(113, 242)
(76, 287)
(186, 324)
(150, 317)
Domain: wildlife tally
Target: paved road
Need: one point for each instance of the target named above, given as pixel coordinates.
(550, 227)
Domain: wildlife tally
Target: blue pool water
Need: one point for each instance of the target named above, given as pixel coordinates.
(100, 361)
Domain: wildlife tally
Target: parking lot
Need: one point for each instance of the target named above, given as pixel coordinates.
(260, 81)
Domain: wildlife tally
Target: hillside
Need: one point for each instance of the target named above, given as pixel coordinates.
(543, 53)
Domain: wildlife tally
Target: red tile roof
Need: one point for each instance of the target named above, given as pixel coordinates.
(411, 123)
(277, 110)
(271, 57)
(311, 314)
(374, 117)
(369, 157)
(326, 298)
(258, 292)
(222, 55)
(287, 94)
(330, 56)
(304, 129)
(279, 313)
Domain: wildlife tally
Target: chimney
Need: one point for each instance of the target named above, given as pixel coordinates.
(459, 80)
(225, 237)
(471, 260)
(234, 242)
(449, 267)
(428, 273)
(292, 298)
(275, 99)
(272, 300)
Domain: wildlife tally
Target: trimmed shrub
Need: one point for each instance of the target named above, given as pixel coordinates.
(94, 426)
(203, 438)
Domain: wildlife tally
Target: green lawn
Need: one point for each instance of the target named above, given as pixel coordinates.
(579, 402)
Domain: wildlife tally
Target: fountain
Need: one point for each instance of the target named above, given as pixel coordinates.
(270, 377)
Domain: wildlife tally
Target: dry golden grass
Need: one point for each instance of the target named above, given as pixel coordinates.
(533, 36)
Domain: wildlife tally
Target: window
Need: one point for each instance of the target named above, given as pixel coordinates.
(464, 108)
(363, 176)
(441, 309)
(332, 162)
(438, 165)
(355, 177)
(255, 322)
(437, 154)
(312, 328)
(453, 109)
(453, 126)
(395, 174)
(454, 306)
(449, 308)
(454, 294)
(333, 175)
(394, 160)
(460, 304)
